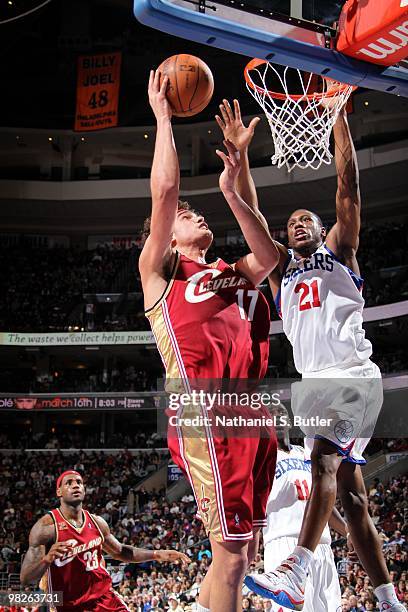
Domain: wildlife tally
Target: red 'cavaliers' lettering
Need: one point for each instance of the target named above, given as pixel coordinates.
(81, 548)
(217, 320)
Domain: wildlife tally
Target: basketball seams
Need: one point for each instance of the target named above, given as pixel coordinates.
(176, 84)
(197, 82)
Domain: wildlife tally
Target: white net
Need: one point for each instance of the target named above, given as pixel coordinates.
(301, 124)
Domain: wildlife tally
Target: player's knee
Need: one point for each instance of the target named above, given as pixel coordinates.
(324, 465)
(355, 504)
(234, 567)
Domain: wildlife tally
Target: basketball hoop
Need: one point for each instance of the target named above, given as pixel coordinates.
(301, 124)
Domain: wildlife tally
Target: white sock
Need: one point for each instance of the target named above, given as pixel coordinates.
(385, 593)
(305, 555)
(201, 608)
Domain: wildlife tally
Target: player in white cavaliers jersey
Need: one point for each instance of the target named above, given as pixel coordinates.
(317, 287)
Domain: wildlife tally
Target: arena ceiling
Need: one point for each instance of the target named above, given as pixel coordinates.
(39, 52)
(38, 74)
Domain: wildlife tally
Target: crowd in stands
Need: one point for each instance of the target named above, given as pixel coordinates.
(143, 437)
(80, 439)
(148, 520)
(121, 378)
(43, 289)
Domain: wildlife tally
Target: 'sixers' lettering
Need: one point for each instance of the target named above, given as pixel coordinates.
(322, 261)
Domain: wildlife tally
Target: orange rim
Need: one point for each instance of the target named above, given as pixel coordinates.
(254, 63)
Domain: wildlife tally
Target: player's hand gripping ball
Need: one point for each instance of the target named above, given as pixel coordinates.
(191, 84)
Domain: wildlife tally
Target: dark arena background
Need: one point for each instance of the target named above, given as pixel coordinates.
(80, 375)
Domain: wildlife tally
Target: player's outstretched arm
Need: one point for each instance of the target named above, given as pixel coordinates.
(343, 238)
(130, 554)
(241, 136)
(235, 131)
(265, 256)
(164, 182)
(36, 560)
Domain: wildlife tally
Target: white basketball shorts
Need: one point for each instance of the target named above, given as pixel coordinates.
(340, 405)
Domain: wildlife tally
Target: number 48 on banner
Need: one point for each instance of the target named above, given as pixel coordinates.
(98, 91)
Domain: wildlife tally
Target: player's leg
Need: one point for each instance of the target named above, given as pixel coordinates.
(325, 464)
(253, 545)
(263, 473)
(223, 484)
(363, 533)
(205, 591)
(230, 560)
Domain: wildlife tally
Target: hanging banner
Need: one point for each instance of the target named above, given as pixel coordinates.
(80, 338)
(97, 91)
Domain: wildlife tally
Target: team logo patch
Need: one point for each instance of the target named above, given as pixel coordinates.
(343, 431)
(204, 504)
(62, 526)
(66, 558)
(236, 517)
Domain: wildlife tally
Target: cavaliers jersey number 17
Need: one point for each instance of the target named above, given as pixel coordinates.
(211, 322)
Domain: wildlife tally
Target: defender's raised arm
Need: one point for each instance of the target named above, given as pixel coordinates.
(343, 238)
(265, 255)
(241, 136)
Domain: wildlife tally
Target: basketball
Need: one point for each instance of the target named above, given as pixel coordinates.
(191, 84)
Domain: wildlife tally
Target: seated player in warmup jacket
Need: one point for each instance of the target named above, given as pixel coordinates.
(317, 290)
(210, 323)
(66, 549)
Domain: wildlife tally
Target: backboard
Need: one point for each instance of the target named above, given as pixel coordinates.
(296, 33)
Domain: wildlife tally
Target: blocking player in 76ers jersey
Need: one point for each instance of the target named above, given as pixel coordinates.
(210, 323)
(317, 288)
(285, 509)
(66, 553)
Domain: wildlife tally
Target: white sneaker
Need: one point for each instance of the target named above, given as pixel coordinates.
(387, 607)
(285, 585)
